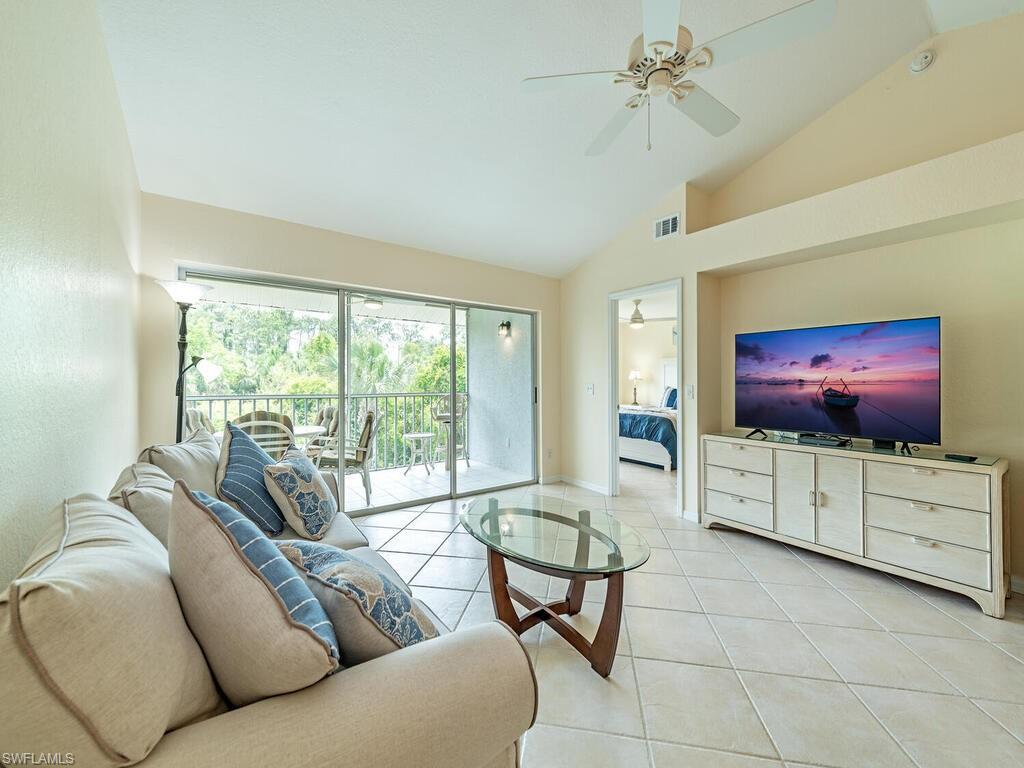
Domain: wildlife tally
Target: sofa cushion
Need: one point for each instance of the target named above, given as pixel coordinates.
(193, 460)
(371, 614)
(301, 494)
(145, 490)
(95, 656)
(240, 480)
(261, 629)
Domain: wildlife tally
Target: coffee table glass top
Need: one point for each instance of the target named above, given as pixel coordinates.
(572, 540)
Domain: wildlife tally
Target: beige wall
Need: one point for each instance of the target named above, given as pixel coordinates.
(969, 95)
(644, 349)
(177, 232)
(974, 279)
(69, 218)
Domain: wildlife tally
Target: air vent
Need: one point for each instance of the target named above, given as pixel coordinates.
(666, 227)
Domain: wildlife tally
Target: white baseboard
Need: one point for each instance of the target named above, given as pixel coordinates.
(549, 479)
(595, 487)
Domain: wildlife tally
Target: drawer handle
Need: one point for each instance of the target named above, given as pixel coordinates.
(737, 499)
(735, 473)
(921, 542)
(921, 507)
(922, 471)
(737, 447)
(810, 498)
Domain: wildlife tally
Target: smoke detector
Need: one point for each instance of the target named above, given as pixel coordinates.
(922, 61)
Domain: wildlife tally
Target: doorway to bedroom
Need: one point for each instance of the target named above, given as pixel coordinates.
(645, 427)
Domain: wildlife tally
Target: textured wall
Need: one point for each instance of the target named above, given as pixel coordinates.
(69, 218)
(500, 382)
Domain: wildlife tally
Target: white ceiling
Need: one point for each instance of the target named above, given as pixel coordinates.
(950, 14)
(403, 121)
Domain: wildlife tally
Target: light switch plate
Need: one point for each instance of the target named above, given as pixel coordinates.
(689, 391)
(590, 389)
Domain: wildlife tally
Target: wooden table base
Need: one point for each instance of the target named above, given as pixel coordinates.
(601, 652)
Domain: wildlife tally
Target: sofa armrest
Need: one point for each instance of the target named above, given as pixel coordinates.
(457, 701)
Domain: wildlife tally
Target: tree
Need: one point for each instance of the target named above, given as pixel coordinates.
(434, 373)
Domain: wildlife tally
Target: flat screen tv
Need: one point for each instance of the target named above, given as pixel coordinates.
(872, 380)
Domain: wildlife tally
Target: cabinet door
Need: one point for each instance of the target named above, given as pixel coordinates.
(840, 503)
(794, 494)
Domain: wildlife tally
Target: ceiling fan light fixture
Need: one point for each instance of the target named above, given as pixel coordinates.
(636, 320)
(371, 302)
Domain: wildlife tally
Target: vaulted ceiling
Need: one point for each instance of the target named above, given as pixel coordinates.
(404, 121)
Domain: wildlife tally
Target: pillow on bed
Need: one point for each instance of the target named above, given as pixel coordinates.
(670, 400)
(663, 403)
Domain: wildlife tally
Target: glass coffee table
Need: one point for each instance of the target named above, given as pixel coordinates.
(577, 545)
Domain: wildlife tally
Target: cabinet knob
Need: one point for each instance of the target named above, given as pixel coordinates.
(921, 542)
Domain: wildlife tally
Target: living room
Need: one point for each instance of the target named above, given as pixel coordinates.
(813, 595)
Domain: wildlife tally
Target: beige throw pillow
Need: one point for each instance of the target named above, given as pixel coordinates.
(261, 629)
(145, 491)
(95, 657)
(193, 460)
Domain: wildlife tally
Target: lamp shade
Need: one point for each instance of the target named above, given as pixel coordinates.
(209, 370)
(184, 291)
(635, 376)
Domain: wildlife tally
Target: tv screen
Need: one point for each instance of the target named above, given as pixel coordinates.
(873, 380)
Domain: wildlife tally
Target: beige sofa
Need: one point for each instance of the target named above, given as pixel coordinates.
(463, 699)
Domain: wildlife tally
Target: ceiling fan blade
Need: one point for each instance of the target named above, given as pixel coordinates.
(805, 19)
(661, 23)
(612, 130)
(556, 82)
(706, 111)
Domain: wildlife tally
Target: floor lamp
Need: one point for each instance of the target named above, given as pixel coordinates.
(184, 294)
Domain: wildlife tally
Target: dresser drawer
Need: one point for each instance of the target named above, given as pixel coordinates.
(952, 489)
(933, 521)
(947, 561)
(738, 508)
(739, 482)
(736, 456)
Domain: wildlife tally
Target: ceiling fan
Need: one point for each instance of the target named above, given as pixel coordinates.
(662, 58)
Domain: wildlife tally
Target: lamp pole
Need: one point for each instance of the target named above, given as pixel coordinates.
(179, 387)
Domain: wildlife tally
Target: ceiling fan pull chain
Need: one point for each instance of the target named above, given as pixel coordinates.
(648, 124)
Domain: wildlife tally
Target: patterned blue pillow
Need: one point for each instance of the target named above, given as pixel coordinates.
(301, 493)
(371, 614)
(302, 606)
(240, 480)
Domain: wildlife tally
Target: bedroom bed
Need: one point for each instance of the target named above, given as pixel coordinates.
(647, 434)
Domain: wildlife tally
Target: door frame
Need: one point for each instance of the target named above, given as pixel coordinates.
(614, 297)
(187, 271)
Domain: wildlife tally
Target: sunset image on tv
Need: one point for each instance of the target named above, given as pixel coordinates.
(877, 380)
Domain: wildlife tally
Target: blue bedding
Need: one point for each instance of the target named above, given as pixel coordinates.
(644, 426)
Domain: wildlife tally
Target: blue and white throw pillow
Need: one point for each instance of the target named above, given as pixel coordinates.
(240, 480)
(261, 628)
(301, 493)
(371, 614)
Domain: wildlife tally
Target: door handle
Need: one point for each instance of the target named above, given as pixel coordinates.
(810, 497)
(922, 542)
(921, 507)
(821, 498)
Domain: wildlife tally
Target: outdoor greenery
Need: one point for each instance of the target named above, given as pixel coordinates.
(263, 350)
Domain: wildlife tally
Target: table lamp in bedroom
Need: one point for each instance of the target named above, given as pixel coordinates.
(635, 376)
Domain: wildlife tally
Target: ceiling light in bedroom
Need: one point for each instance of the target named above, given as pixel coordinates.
(636, 320)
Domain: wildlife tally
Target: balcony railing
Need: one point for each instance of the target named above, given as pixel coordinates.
(399, 413)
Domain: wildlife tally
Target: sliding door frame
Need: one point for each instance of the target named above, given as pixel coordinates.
(343, 291)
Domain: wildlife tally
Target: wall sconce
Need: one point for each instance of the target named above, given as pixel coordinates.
(505, 328)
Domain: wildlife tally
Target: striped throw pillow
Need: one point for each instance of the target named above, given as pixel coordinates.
(240, 480)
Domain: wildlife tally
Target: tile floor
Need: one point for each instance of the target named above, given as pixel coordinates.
(737, 652)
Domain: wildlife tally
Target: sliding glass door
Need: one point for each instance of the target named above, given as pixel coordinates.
(496, 417)
(438, 399)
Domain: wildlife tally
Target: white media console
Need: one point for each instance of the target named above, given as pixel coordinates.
(923, 517)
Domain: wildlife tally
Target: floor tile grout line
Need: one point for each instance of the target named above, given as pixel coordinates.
(750, 698)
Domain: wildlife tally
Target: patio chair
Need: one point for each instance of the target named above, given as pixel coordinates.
(359, 454)
(194, 419)
(441, 413)
(328, 418)
(273, 432)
